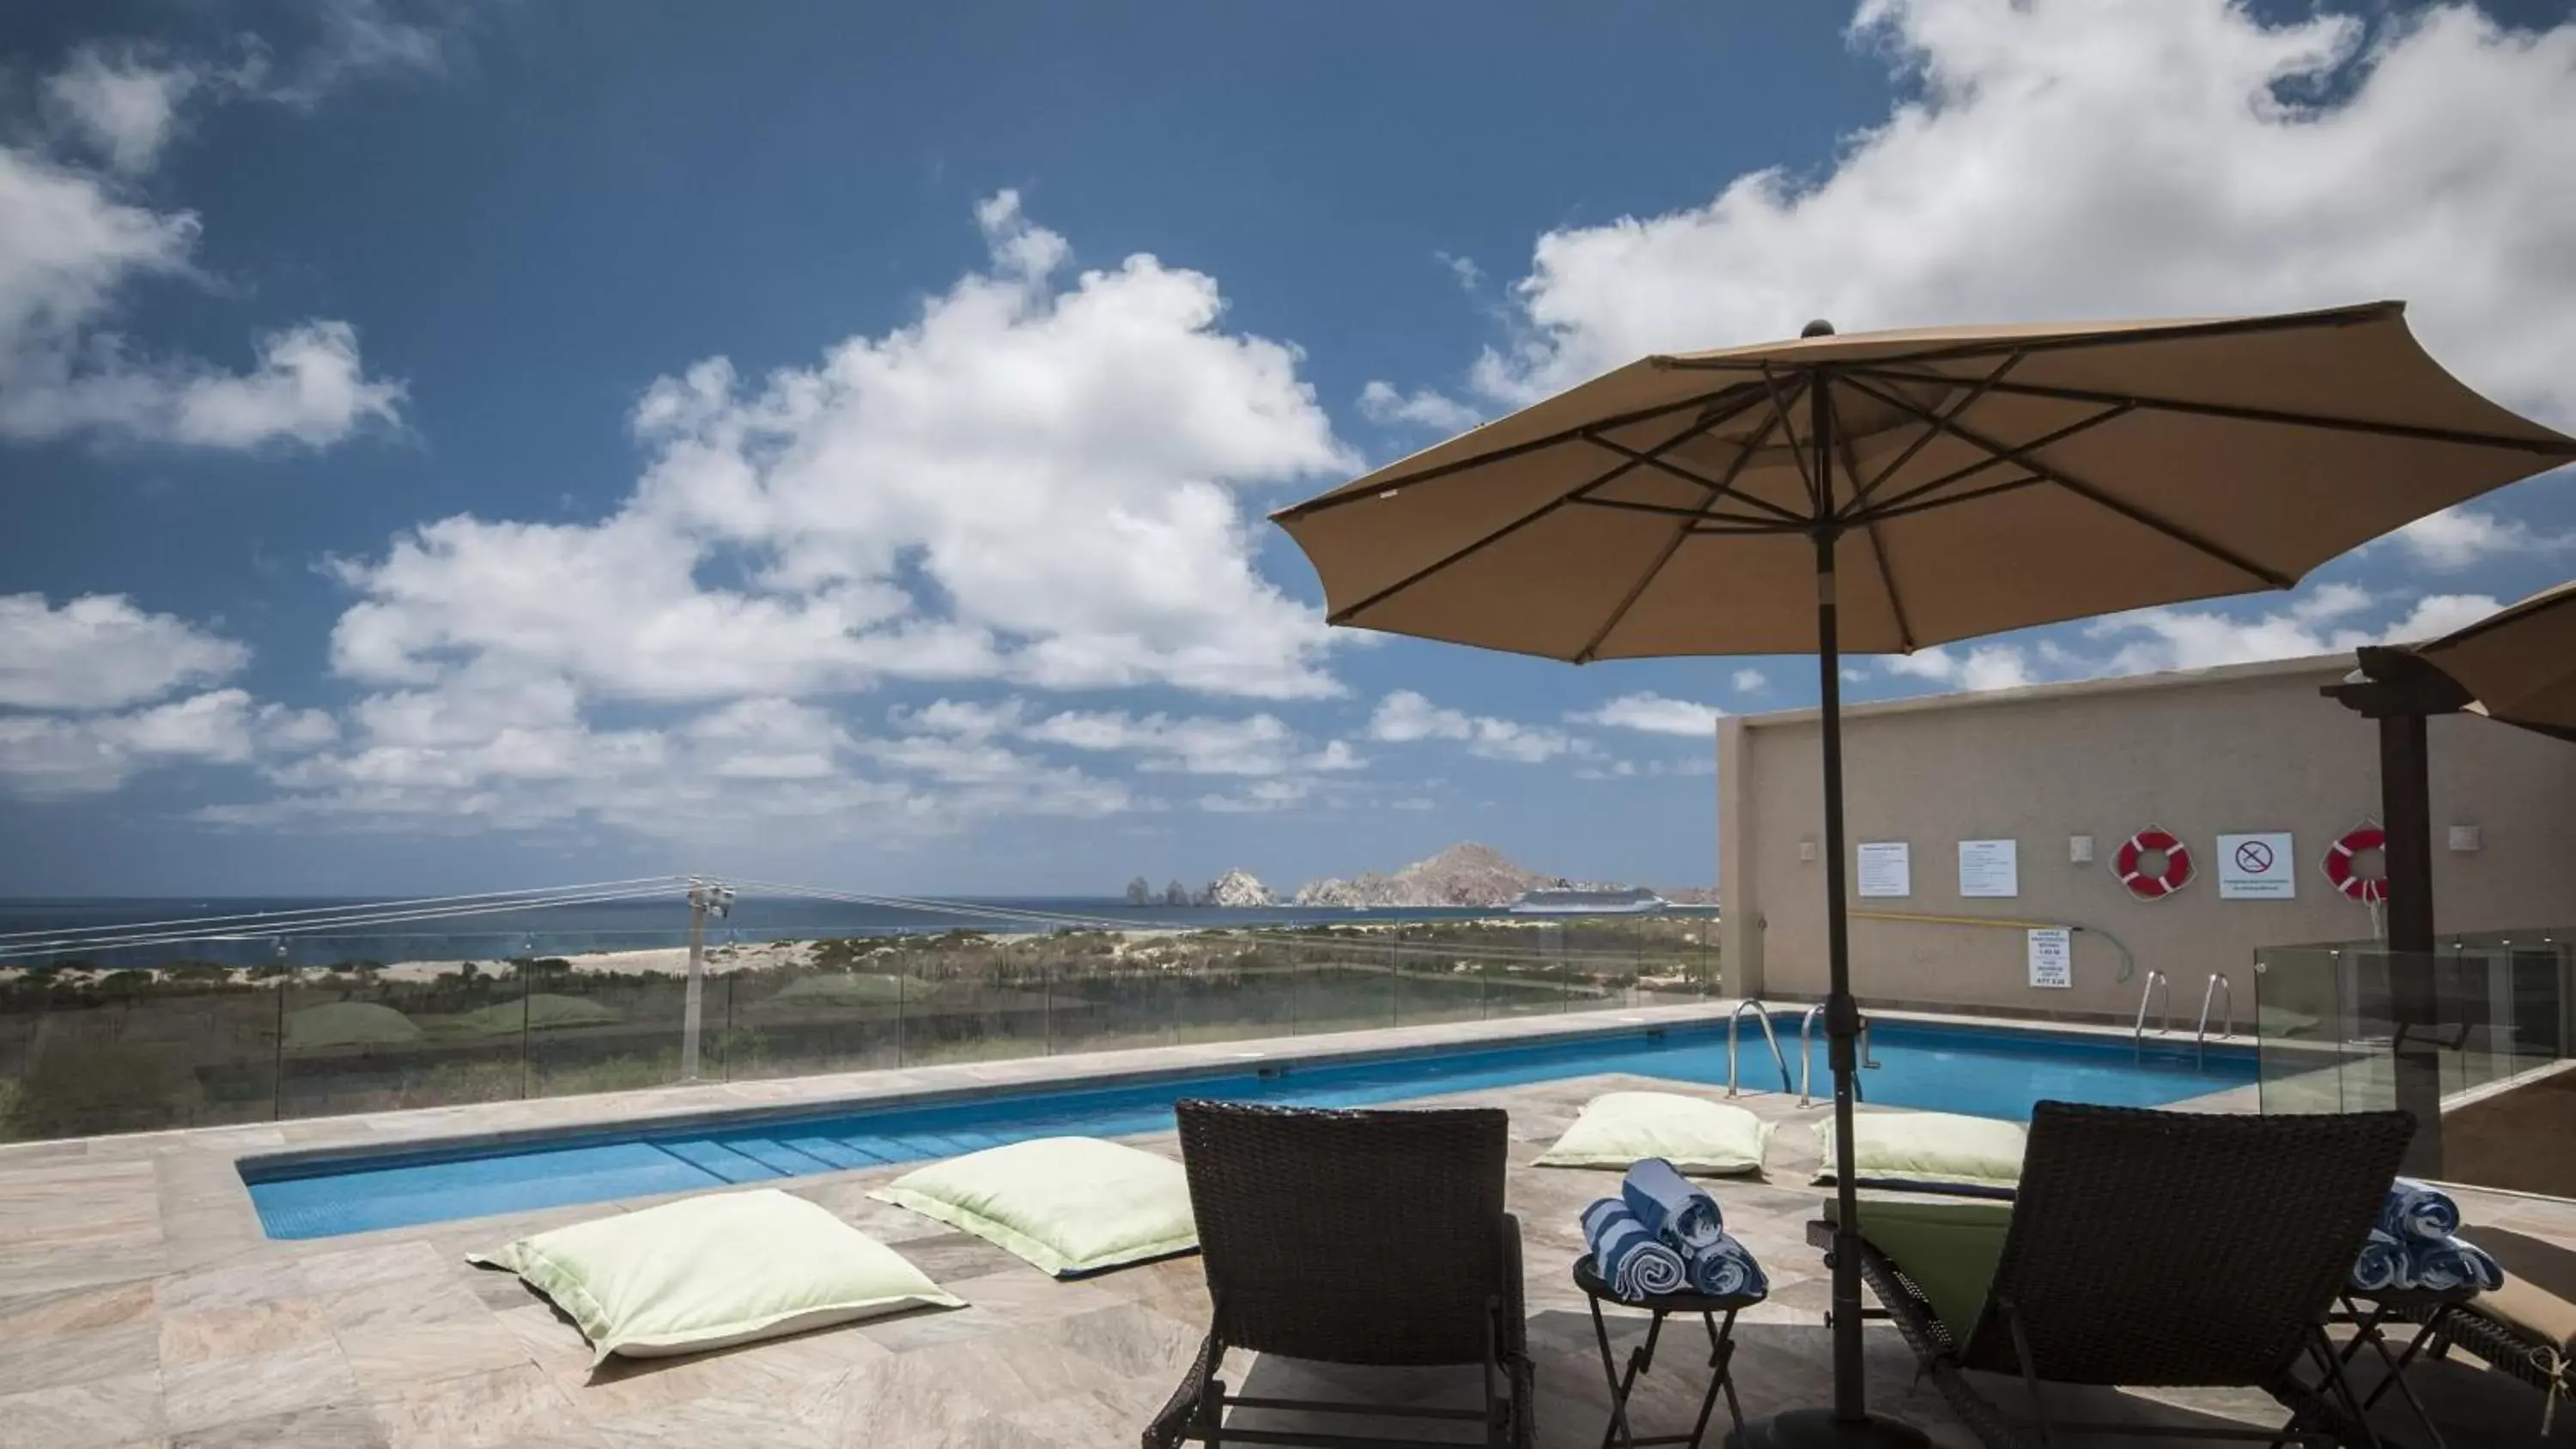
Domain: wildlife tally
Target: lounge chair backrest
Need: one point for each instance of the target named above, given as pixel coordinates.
(2181, 1248)
(1350, 1237)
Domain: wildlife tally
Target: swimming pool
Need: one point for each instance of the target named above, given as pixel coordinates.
(1988, 1072)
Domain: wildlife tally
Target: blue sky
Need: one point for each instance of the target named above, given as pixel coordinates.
(456, 447)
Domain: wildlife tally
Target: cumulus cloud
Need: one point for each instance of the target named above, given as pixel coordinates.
(1380, 402)
(70, 244)
(120, 104)
(1405, 716)
(1654, 714)
(1749, 681)
(2126, 157)
(2462, 538)
(1980, 667)
(49, 755)
(102, 651)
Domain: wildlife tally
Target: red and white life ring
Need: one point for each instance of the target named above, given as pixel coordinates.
(2157, 886)
(2367, 889)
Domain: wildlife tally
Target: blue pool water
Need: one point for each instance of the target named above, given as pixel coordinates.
(1991, 1073)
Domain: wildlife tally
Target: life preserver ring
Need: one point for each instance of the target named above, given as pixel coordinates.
(2370, 890)
(2155, 887)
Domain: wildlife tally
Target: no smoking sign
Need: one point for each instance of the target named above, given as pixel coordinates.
(2256, 867)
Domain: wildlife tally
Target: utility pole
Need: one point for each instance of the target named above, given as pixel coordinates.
(704, 900)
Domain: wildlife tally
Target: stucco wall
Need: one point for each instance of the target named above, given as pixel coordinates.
(2246, 749)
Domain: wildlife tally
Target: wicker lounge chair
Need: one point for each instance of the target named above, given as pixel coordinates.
(2527, 1328)
(2146, 1250)
(1352, 1238)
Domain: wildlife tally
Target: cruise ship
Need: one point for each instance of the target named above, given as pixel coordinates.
(1587, 901)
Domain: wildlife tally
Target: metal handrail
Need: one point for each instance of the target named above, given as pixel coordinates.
(1807, 1056)
(1762, 1015)
(2138, 1036)
(2218, 983)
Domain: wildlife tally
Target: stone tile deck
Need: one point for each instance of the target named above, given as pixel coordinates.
(141, 1305)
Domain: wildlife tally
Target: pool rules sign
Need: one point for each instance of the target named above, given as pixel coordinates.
(2052, 957)
(2257, 867)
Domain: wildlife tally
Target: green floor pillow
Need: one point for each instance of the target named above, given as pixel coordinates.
(1070, 1205)
(1621, 1129)
(1930, 1151)
(707, 1272)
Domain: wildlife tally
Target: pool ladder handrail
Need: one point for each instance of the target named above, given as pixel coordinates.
(1807, 1056)
(2138, 1036)
(2218, 989)
(1762, 1015)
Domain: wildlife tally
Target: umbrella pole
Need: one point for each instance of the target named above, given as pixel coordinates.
(1847, 1425)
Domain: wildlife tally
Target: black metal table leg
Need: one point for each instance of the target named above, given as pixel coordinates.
(2367, 1327)
(1619, 1433)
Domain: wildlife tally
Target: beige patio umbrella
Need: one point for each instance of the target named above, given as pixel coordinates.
(1893, 490)
(2519, 663)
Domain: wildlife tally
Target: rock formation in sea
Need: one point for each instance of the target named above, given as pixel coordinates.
(1462, 875)
(1236, 890)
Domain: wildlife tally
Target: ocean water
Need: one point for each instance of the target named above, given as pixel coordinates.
(68, 929)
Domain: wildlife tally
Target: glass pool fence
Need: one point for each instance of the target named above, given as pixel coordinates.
(384, 1022)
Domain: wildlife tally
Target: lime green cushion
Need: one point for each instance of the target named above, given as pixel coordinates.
(1068, 1204)
(1949, 1249)
(705, 1272)
(1928, 1149)
(1620, 1129)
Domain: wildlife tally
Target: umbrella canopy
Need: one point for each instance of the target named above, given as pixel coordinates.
(1892, 490)
(1982, 479)
(2518, 663)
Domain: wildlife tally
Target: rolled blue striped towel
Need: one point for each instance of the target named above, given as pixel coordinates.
(2382, 1264)
(2449, 1264)
(1726, 1269)
(1672, 1209)
(1634, 1262)
(2415, 1211)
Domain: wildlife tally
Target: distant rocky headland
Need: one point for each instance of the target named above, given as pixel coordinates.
(1463, 875)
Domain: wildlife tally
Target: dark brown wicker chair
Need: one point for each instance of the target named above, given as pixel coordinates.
(1352, 1238)
(2164, 1249)
(2524, 1329)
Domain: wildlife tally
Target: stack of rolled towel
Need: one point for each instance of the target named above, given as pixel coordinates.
(2412, 1246)
(1661, 1235)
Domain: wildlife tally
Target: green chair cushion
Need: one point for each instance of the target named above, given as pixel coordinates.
(1949, 1249)
(707, 1272)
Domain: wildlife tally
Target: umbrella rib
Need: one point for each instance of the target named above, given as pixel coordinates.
(2552, 447)
(1868, 527)
(1687, 476)
(1673, 510)
(2014, 455)
(1908, 510)
(1330, 501)
(1622, 469)
(2096, 496)
(1591, 647)
(1959, 409)
(1789, 433)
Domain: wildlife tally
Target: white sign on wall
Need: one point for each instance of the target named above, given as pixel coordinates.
(2052, 956)
(2257, 867)
(1989, 868)
(1886, 868)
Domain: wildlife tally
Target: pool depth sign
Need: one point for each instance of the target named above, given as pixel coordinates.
(2257, 867)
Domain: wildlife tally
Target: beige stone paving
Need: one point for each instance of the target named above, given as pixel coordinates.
(141, 1305)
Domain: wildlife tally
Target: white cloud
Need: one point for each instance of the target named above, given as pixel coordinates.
(1380, 402)
(1258, 745)
(351, 39)
(1032, 482)
(123, 106)
(100, 651)
(1654, 714)
(1469, 275)
(68, 247)
(1405, 716)
(2460, 538)
(54, 755)
(1263, 796)
(1982, 667)
(1750, 681)
(2124, 158)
